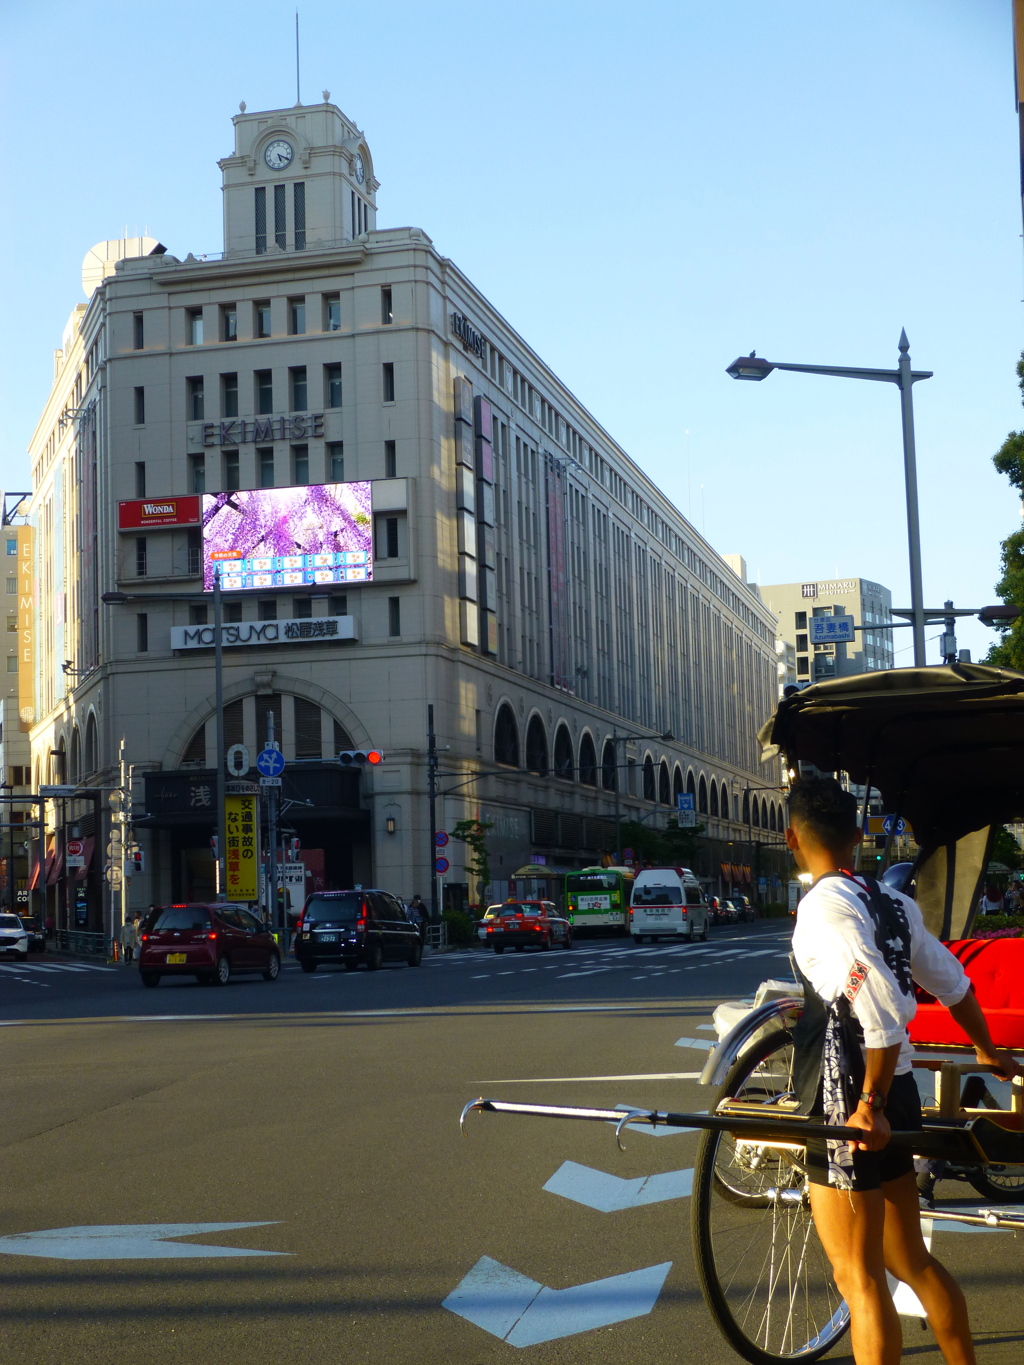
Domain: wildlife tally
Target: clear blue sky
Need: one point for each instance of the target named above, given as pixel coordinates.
(645, 191)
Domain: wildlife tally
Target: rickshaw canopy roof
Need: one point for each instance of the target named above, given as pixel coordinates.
(944, 746)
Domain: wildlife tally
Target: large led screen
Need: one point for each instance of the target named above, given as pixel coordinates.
(263, 538)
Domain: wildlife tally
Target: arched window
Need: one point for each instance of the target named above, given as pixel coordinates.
(724, 803)
(76, 755)
(195, 753)
(90, 745)
(746, 808)
(588, 761)
(62, 761)
(771, 816)
(342, 738)
(714, 797)
(506, 737)
(563, 754)
(649, 788)
(702, 796)
(691, 785)
(537, 747)
(677, 784)
(755, 813)
(609, 772)
(664, 786)
(764, 813)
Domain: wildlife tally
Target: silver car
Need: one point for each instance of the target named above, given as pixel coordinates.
(13, 937)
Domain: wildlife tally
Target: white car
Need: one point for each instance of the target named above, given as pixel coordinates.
(13, 937)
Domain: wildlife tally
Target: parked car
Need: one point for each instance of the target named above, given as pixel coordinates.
(36, 933)
(350, 927)
(211, 942)
(667, 902)
(13, 937)
(529, 924)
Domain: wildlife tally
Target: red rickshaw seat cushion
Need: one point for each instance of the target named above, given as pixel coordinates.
(996, 969)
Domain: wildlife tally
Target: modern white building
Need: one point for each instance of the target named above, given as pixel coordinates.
(526, 577)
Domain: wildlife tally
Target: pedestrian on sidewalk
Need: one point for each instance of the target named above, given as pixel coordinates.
(127, 937)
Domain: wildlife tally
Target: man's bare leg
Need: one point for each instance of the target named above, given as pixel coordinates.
(851, 1228)
(907, 1257)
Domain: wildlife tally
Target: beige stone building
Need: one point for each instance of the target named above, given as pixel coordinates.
(527, 578)
(795, 604)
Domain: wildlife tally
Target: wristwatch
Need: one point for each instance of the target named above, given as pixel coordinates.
(874, 1099)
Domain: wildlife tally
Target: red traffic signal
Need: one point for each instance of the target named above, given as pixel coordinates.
(359, 758)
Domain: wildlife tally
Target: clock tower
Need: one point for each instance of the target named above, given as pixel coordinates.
(299, 179)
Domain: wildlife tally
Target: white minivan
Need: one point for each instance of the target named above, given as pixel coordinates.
(667, 902)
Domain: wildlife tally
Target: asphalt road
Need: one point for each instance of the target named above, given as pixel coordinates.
(321, 1113)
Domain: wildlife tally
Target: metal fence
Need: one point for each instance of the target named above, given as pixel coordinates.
(80, 943)
(436, 936)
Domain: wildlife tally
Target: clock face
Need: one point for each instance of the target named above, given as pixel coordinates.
(360, 173)
(278, 154)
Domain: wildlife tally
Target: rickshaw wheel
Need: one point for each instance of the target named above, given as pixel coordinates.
(999, 1182)
(764, 1275)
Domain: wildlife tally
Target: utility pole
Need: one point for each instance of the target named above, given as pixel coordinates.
(278, 915)
(435, 909)
(218, 677)
(913, 517)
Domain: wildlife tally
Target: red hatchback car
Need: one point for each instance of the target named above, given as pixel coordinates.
(211, 942)
(528, 924)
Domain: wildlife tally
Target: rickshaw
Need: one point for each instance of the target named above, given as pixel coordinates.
(944, 747)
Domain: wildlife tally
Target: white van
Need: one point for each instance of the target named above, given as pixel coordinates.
(667, 902)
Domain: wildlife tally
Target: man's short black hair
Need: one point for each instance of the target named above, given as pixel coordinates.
(825, 809)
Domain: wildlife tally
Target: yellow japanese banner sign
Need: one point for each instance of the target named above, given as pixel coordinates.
(26, 624)
(242, 862)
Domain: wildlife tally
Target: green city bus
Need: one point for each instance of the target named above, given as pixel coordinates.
(598, 897)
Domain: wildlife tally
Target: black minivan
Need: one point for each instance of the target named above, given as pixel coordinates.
(356, 926)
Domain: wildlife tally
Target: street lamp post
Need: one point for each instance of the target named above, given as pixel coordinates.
(668, 737)
(754, 367)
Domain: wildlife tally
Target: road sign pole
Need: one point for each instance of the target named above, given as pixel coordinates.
(435, 913)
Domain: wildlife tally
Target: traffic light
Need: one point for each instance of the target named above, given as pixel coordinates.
(361, 758)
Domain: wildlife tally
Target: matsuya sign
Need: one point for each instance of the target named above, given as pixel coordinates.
(302, 631)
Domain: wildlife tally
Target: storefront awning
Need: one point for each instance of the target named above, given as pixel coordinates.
(54, 866)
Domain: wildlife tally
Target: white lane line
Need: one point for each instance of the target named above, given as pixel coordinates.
(591, 971)
(566, 1080)
(707, 1028)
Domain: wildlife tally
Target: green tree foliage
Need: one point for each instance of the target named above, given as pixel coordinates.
(1006, 849)
(1009, 460)
(473, 833)
(670, 847)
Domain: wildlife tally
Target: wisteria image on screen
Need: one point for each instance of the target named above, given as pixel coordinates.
(263, 538)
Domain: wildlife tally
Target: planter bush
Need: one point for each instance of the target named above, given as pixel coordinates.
(460, 928)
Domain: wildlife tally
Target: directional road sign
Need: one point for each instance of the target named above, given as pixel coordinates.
(831, 630)
(686, 801)
(270, 762)
(440, 838)
(901, 824)
(441, 865)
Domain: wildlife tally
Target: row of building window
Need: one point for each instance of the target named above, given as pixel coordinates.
(262, 392)
(266, 468)
(655, 784)
(307, 732)
(261, 319)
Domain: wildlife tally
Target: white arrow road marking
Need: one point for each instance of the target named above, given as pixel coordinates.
(610, 1193)
(126, 1242)
(703, 1043)
(523, 1312)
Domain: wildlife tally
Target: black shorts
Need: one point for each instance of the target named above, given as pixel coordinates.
(872, 1169)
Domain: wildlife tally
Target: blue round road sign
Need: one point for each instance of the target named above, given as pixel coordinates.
(270, 762)
(440, 838)
(441, 865)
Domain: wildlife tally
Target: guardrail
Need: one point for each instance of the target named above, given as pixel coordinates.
(436, 936)
(81, 943)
